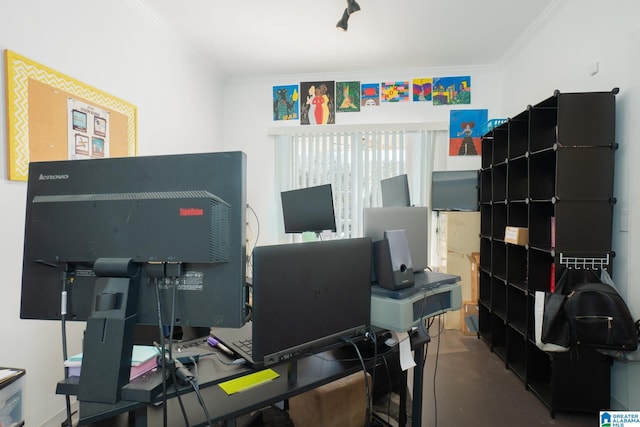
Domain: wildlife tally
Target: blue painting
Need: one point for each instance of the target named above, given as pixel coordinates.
(465, 132)
(285, 102)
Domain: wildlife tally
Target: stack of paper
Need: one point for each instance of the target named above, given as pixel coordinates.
(143, 359)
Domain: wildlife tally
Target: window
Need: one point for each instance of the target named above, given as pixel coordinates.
(354, 162)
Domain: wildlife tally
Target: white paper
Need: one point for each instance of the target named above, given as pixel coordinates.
(406, 357)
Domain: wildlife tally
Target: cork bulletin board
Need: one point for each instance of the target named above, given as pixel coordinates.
(51, 116)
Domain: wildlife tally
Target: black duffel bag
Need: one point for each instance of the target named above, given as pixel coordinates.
(599, 318)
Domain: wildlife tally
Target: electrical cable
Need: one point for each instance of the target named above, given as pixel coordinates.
(250, 259)
(196, 388)
(163, 365)
(435, 371)
(172, 324)
(66, 277)
(373, 372)
(386, 366)
(366, 382)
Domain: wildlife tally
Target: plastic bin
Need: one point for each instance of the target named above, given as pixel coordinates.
(11, 398)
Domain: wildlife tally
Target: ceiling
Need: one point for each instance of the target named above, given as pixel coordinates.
(274, 37)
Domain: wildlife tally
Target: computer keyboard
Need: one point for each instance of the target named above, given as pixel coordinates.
(245, 344)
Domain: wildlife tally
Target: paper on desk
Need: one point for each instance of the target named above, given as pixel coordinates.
(406, 358)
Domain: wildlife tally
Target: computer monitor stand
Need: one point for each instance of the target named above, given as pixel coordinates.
(108, 339)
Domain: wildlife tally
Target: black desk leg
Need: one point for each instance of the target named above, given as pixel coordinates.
(418, 384)
(138, 418)
(292, 372)
(402, 410)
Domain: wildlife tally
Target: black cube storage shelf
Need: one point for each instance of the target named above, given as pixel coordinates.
(543, 170)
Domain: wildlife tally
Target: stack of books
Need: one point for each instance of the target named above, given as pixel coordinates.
(143, 359)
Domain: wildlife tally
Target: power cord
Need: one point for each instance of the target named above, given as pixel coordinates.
(196, 388)
(67, 276)
(366, 379)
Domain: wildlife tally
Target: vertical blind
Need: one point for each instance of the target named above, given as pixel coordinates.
(354, 162)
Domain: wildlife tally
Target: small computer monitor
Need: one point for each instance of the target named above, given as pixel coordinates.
(413, 220)
(454, 190)
(308, 209)
(395, 191)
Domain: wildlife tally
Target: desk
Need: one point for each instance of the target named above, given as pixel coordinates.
(140, 397)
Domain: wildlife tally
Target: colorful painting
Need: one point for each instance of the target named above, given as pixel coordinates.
(370, 95)
(451, 90)
(394, 92)
(347, 97)
(285, 102)
(465, 132)
(318, 105)
(422, 89)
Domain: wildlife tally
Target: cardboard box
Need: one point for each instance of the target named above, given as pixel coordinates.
(469, 318)
(516, 235)
(339, 403)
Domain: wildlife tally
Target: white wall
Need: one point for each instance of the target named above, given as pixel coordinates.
(246, 124)
(576, 35)
(110, 46)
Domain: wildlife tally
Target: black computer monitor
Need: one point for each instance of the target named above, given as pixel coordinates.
(308, 209)
(152, 209)
(395, 191)
(157, 240)
(454, 190)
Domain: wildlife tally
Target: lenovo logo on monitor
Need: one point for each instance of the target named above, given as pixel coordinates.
(44, 177)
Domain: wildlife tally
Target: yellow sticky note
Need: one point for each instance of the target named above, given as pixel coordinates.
(248, 381)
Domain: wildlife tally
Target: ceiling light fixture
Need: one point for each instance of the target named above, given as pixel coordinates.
(352, 7)
(343, 23)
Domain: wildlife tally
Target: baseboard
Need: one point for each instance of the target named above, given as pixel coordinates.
(61, 417)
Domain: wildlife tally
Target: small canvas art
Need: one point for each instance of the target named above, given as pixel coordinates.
(394, 91)
(465, 132)
(422, 89)
(347, 97)
(370, 94)
(451, 90)
(285, 102)
(318, 103)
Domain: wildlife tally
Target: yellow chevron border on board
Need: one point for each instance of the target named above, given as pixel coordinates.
(19, 70)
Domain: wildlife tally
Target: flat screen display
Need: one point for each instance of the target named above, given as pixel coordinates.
(308, 209)
(454, 190)
(395, 191)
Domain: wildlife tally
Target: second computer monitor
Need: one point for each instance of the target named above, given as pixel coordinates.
(395, 191)
(308, 209)
(414, 220)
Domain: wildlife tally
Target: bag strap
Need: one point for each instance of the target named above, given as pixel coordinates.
(561, 284)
